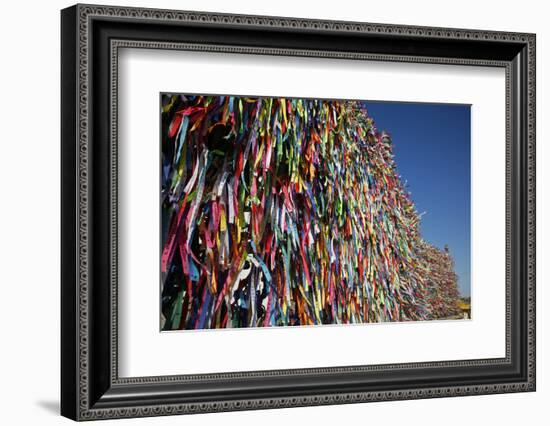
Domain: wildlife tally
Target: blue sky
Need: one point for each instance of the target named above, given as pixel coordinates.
(432, 153)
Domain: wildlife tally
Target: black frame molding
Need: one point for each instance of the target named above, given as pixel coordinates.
(90, 39)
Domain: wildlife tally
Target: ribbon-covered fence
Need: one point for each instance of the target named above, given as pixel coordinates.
(285, 212)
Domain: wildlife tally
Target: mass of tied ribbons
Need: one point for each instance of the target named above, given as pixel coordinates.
(441, 282)
(289, 212)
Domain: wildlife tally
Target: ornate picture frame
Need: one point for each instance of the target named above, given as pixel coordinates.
(91, 37)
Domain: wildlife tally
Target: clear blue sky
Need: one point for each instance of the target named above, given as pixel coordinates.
(432, 153)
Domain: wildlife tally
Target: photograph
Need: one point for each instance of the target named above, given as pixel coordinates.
(286, 211)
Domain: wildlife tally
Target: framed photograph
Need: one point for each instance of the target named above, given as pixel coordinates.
(263, 212)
